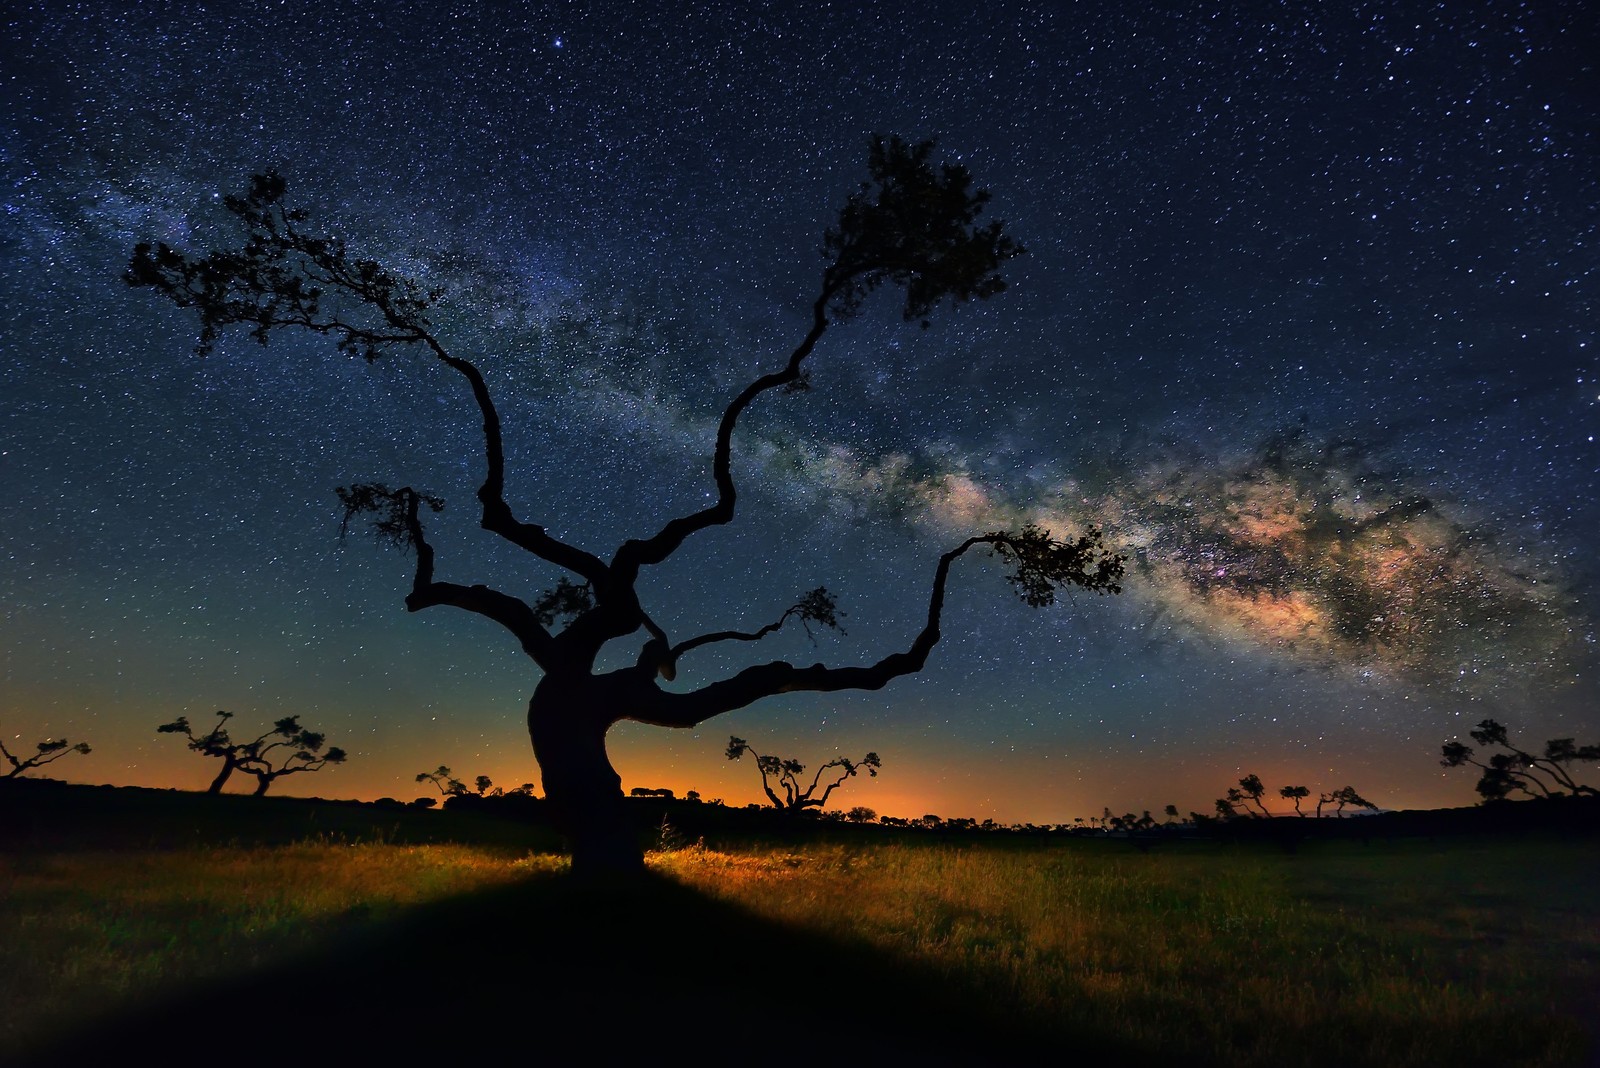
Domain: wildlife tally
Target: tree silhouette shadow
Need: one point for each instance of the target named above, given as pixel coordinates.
(618, 970)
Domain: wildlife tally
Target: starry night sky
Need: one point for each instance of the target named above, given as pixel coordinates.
(1307, 323)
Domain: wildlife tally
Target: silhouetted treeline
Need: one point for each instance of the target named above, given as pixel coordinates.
(52, 815)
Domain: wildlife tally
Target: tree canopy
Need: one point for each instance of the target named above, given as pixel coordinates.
(1516, 770)
(911, 224)
(286, 749)
(47, 752)
(786, 775)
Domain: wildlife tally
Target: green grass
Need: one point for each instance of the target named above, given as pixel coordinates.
(1463, 953)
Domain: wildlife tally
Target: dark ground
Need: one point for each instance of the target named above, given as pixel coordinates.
(563, 969)
(554, 969)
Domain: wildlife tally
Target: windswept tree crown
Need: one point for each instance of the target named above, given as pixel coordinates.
(910, 224)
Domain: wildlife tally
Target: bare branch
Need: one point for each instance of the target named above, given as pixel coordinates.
(1041, 566)
(910, 225)
(49, 751)
(510, 612)
(818, 606)
(283, 278)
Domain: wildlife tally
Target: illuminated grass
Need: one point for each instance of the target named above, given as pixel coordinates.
(1396, 954)
(92, 929)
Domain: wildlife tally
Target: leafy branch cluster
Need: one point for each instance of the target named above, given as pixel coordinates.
(283, 277)
(786, 775)
(286, 749)
(49, 751)
(1515, 770)
(914, 226)
(1041, 564)
(394, 512)
(482, 786)
(1245, 800)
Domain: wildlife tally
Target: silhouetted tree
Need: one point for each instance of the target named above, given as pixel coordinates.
(1128, 823)
(1516, 770)
(1171, 812)
(786, 774)
(911, 225)
(1345, 795)
(1252, 791)
(444, 781)
(286, 749)
(1295, 794)
(49, 751)
(861, 814)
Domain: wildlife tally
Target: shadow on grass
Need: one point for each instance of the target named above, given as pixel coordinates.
(561, 968)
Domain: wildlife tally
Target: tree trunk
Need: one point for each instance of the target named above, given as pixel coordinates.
(567, 721)
(222, 776)
(262, 782)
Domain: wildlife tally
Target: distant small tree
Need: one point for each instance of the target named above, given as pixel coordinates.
(444, 781)
(1128, 823)
(861, 814)
(1253, 791)
(286, 749)
(1171, 813)
(1295, 794)
(1235, 804)
(1345, 795)
(786, 775)
(1515, 770)
(49, 751)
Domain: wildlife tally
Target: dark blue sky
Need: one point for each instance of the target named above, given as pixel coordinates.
(1307, 324)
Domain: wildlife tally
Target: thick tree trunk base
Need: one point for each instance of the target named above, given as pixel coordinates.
(604, 843)
(584, 790)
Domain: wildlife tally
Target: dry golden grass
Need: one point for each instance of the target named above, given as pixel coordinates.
(1393, 954)
(91, 929)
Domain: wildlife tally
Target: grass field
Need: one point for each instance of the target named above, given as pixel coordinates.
(1456, 952)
